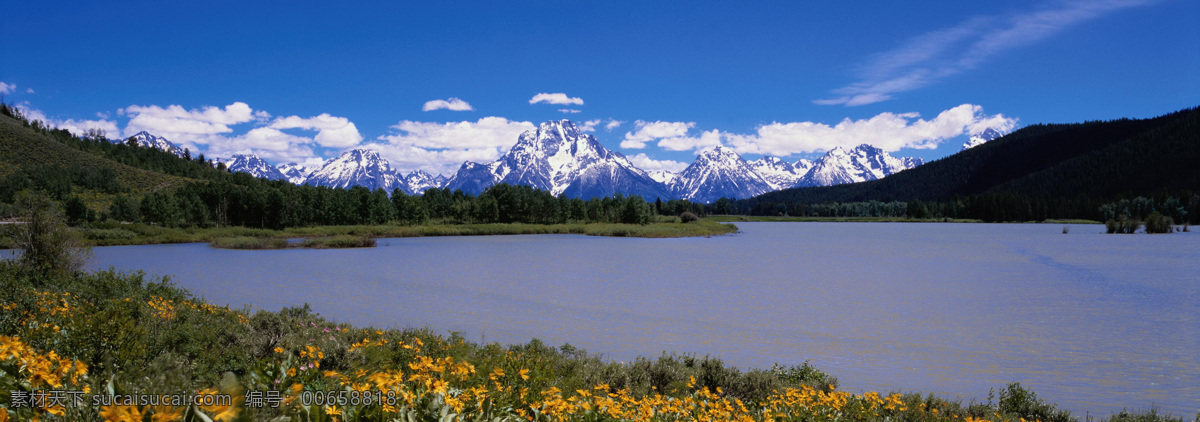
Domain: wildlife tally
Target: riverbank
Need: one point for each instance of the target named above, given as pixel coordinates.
(111, 333)
(114, 234)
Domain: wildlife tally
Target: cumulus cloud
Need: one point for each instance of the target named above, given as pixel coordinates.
(7, 88)
(933, 56)
(569, 111)
(646, 163)
(452, 104)
(28, 90)
(649, 131)
(555, 98)
(589, 125)
(612, 124)
(189, 127)
(440, 148)
(332, 132)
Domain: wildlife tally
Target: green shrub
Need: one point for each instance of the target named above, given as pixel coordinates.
(1017, 401)
(688, 217)
(1158, 223)
(339, 241)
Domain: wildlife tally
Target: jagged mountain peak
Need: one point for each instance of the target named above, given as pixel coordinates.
(860, 164)
(980, 138)
(148, 140)
(295, 172)
(255, 166)
(778, 173)
(719, 172)
(356, 167)
(558, 157)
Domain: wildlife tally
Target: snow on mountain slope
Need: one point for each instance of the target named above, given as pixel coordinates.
(860, 164)
(778, 173)
(357, 167)
(295, 173)
(560, 159)
(418, 181)
(145, 139)
(980, 138)
(719, 172)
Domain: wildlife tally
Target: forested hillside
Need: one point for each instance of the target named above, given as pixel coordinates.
(1039, 172)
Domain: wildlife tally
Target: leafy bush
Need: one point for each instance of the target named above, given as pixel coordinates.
(688, 217)
(1017, 401)
(1122, 224)
(1158, 223)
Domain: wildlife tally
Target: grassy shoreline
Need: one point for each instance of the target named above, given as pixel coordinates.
(144, 234)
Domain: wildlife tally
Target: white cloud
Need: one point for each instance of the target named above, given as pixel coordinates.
(440, 148)
(7, 88)
(189, 127)
(612, 124)
(887, 131)
(707, 139)
(648, 131)
(928, 58)
(555, 98)
(333, 132)
(589, 125)
(268, 143)
(646, 163)
(452, 104)
(28, 90)
(569, 111)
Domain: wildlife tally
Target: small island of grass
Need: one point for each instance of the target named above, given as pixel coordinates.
(330, 242)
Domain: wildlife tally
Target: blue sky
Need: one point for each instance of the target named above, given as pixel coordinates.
(303, 81)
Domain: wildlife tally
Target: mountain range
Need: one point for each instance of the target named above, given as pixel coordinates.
(560, 158)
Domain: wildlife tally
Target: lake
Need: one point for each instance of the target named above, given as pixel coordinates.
(1093, 322)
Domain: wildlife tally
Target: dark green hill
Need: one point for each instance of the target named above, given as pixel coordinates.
(23, 148)
(1053, 170)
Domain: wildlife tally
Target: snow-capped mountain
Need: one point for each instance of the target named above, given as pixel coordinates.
(860, 164)
(255, 166)
(145, 139)
(358, 167)
(662, 176)
(778, 173)
(716, 173)
(295, 173)
(417, 181)
(559, 158)
(981, 137)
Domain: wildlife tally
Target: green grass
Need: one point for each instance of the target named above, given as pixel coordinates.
(339, 241)
(247, 242)
(331, 242)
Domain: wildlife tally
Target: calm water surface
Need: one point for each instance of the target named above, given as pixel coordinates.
(1093, 322)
